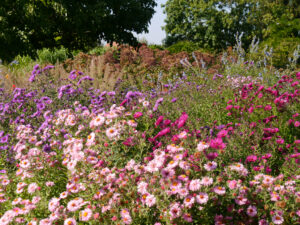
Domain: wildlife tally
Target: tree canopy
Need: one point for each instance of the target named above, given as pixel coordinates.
(27, 25)
(213, 24)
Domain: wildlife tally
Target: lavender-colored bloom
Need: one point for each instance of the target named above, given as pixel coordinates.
(84, 78)
(48, 67)
(36, 67)
(5, 147)
(46, 99)
(217, 76)
(94, 101)
(72, 76)
(158, 101)
(41, 106)
(1, 133)
(220, 127)
(174, 100)
(2, 171)
(36, 114)
(111, 93)
(30, 94)
(31, 78)
(4, 139)
(129, 94)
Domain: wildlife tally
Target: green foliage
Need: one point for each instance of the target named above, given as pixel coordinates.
(186, 46)
(99, 50)
(29, 25)
(214, 24)
(21, 63)
(284, 40)
(47, 55)
(154, 46)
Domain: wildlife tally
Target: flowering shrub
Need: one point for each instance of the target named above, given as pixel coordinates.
(202, 152)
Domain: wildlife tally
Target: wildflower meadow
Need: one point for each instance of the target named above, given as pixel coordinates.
(181, 145)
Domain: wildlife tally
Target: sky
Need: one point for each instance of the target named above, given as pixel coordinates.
(156, 34)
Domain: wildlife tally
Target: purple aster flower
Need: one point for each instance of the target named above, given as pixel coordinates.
(41, 106)
(73, 75)
(46, 99)
(36, 67)
(4, 139)
(111, 93)
(31, 78)
(129, 94)
(47, 67)
(158, 101)
(46, 148)
(84, 78)
(94, 101)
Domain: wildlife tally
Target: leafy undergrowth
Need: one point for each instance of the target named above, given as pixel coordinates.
(201, 150)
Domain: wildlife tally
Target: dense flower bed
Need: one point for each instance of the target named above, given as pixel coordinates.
(82, 156)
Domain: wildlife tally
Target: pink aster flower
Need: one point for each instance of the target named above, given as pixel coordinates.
(277, 219)
(112, 133)
(49, 183)
(175, 210)
(127, 219)
(142, 187)
(24, 164)
(219, 190)
(70, 221)
(202, 198)
(195, 185)
(187, 217)
(183, 192)
(206, 181)
(53, 204)
(32, 188)
(86, 214)
(74, 205)
(232, 184)
(241, 200)
(32, 222)
(201, 146)
(251, 211)
(47, 222)
(150, 200)
(90, 139)
(189, 201)
(210, 166)
(125, 212)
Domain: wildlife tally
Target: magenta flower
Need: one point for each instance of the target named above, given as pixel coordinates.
(268, 107)
(217, 143)
(137, 115)
(280, 141)
(158, 121)
(250, 110)
(222, 133)
(251, 158)
(128, 142)
(182, 119)
(123, 102)
(163, 132)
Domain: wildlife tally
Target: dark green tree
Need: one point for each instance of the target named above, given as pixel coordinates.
(213, 24)
(27, 25)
